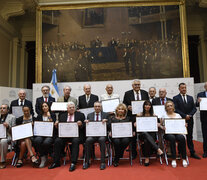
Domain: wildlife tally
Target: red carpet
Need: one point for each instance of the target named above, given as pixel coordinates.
(196, 170)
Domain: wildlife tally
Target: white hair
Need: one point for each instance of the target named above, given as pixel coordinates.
(70, 103)
(135, 80)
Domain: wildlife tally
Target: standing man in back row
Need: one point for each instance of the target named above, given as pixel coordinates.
(185, 106)
(135, 94)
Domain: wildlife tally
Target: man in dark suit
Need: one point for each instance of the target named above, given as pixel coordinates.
(98, 115)
(203, 117)
(44, 98)
(87, 100)
(21, 102)
(162, 99)
(184, 105)
(70, 116)
(152, 93)
(134, 95)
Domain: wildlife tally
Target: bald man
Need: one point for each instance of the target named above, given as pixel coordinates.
(162, 99)
(109, 93)
(87, 100)
(21, 101)
(203, 117)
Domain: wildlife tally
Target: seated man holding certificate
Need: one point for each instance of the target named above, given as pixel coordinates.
(71, 116)
(26, 143)
(97, 116)
(172, 138)
(43, 145)
(148, 138)
(6, 122)
(120, 144)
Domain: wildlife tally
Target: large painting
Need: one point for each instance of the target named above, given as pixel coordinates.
(112, 43)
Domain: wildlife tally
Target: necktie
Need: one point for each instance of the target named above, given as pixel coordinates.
(97, 117)
(137, 96)
(69, 118)
(184, 99)
(163, 101)
(45, 99)
(21, 103)
(87, 98)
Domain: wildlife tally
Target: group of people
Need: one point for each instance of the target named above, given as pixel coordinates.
(181, 106)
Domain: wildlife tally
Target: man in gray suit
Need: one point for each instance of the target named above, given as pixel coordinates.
(98, 115)
(8, 120)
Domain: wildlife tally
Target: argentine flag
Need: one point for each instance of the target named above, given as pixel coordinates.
(53, 85)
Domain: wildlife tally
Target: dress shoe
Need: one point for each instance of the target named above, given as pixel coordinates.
(86, 165)
(146, 164)
(174, 164)
(102, 166)
(116, 164)
(2, 165)
(185, 164)
(205, 155)
(54, 165)
(195, 156)
(72, 167)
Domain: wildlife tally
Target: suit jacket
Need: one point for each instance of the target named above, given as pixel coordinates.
(203, 114)
(82, 101)
(184, 109)
(91, 117)
(61, 99)
(39, 102)
(78, 116)
(26, 102)
(157, 101)
(11, 121)
(129, 97)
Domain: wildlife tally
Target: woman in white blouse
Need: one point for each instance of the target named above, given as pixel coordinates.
(173, 138)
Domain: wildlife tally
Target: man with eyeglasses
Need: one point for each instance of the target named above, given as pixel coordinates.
(135, 94)
(8, 120)
(44, 98)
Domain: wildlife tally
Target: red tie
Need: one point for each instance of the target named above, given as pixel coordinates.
(97, 117)
(163, 101)
(45, 99)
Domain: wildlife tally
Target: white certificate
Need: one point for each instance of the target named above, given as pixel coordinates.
(120, 130)
(59, 106)
(159, 110)
(86, 111)
(42, 128)
(68, 129)
(110, 105)
(175, 126)
(146, 124)
(22, 131)
(17, 111)
(137, 107)
(203, 104)
(2, 131)
(95, 129)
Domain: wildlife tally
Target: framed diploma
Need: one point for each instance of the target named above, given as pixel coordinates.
(110, 105)
(2, 131)
(59, 106)
(159, 110)
(96, 129)
(22, 131)
(203, 104)
(68, 130)
(121, 130)
(137, 107)
(86, 111)
(17, 111)
(146, 124)
(175, 126)
(42, 128)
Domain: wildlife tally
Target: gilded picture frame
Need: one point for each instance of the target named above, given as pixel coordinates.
(104, 4)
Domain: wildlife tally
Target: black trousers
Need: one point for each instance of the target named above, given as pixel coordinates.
(149, 145)
(88, 146)
(60, 143)
(190, 136)
(120, 144)
(203, 117)
(43, 145)
(172, 138)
